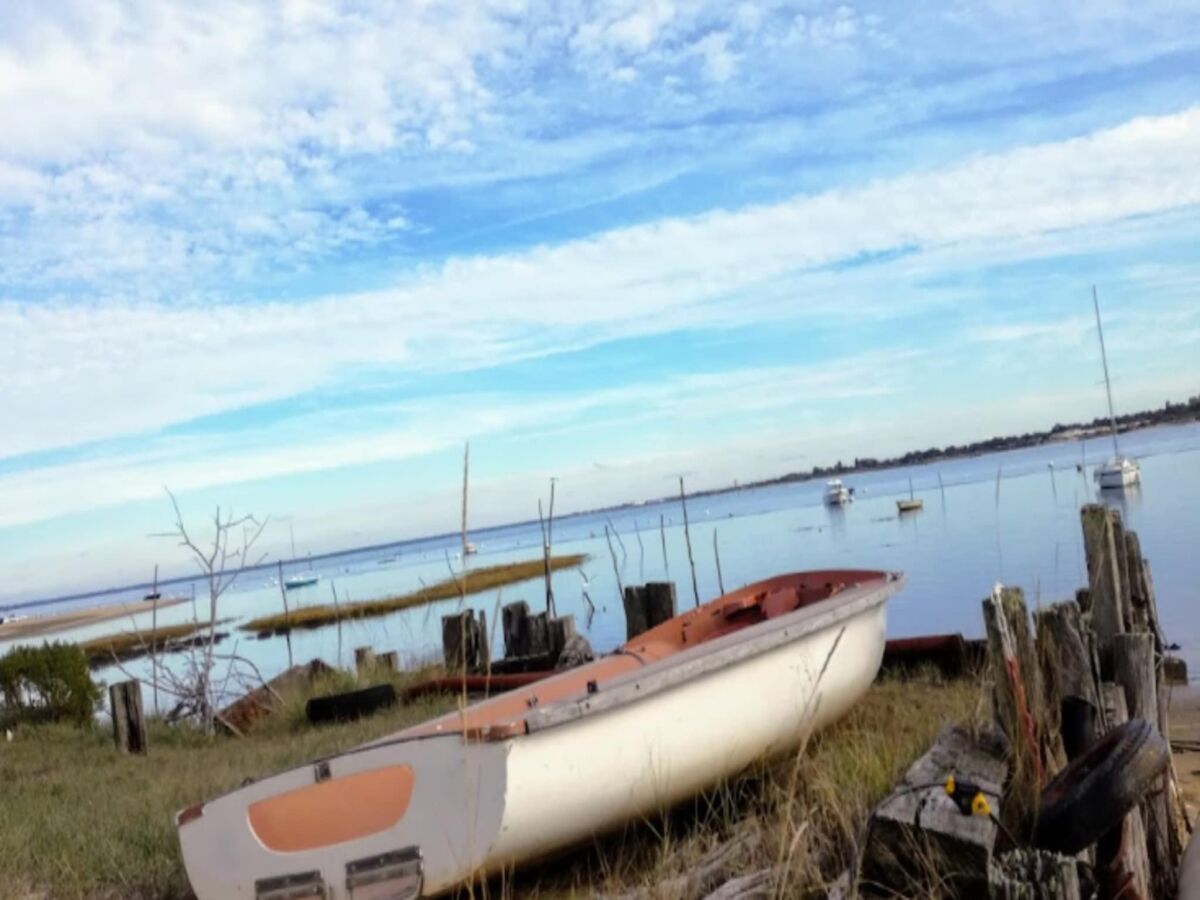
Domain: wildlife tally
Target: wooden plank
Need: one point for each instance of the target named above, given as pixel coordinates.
(918, 827)
(1104, 579)
(1133, 668)
(659, 599)
(129, 724)
(1027, 874)
(634, 601)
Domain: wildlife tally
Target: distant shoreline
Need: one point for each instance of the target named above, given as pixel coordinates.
(40, 626)
(1170, 414)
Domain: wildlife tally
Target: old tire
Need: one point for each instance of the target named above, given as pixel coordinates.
(1095, 791)
(350, 705)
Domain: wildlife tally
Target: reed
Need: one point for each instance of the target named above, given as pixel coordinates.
(471, 582)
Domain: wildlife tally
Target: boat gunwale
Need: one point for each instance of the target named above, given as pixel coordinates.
(715, 655)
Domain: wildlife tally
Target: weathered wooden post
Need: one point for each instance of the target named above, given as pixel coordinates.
(129, 726)
(481, 657)
(457, 633)
(514, 622)
(1130, 838)
(388, 662)
(1133, 669)
(364, 660)
(1104, 579)
(539, 634)
(1013, 696)
(1068, 682)
(562, 630)
(634, 600)
(659, 598)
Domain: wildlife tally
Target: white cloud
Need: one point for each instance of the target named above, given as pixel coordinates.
(80, 372)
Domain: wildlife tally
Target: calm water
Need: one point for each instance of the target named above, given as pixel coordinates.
(1010, 517)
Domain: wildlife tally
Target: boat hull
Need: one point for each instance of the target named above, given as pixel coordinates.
(479, 804)
(1118, 474)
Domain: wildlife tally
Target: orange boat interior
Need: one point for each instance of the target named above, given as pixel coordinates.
(503, 716)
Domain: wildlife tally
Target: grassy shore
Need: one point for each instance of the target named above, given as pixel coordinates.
(473, 582)
(79, 821)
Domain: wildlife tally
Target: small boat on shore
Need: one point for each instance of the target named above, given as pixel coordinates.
(523, 775)
(837, 494)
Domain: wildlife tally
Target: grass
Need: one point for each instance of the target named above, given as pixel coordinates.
(475, 580)
(82, 822)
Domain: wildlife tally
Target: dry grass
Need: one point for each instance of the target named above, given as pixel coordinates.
(475, 581)
(80, 821)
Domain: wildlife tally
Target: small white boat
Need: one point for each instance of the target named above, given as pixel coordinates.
(299, 581)
(527, 773)
(837, 494)
(1119, 472)
(469, 549)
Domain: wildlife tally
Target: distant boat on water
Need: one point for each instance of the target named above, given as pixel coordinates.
(302, 580)
(912, 504)
(1119, 472)
(837, 494)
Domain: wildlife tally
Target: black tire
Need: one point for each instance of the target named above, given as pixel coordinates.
(350, 705)
(1095, 791)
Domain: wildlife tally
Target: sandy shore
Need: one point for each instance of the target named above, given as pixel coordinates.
(1185, 729)
(38, 626)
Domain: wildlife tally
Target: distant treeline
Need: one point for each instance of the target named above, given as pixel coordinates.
(1169, 414)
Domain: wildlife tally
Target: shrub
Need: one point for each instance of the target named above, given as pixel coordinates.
(49, 683)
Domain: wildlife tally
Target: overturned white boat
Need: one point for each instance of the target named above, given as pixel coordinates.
(528, 773)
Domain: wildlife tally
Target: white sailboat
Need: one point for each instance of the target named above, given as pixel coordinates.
(302, 579)
(1119, 472)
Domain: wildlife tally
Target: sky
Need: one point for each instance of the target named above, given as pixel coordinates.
(287, 258)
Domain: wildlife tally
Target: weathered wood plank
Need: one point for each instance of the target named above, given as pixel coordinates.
(129, 724)
(1027, 874)
(918, 827)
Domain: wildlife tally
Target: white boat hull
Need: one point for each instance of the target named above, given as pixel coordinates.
(1118, 473)
(481, 806)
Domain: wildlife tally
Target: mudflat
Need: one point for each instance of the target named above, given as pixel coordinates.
(1185, 741)
(38, 626)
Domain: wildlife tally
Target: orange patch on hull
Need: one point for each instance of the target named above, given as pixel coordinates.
(330, 812)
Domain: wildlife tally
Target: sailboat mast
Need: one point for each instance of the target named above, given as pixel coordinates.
(1112, 419)
(466, 467)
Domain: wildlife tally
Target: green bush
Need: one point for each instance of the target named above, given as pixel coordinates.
(50, 683)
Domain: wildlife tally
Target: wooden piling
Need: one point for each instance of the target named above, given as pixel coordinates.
(364, 660)
(388, 662)
(1104, 579)
(562, 629)
(660, 599)
(539, 634)
(514, 623)
(1133, 669)
(687, 536)
(1132, 834)
(1070, 696)
(129, 724)
(634, 601)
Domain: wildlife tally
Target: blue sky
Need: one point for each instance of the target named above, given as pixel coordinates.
(290, 256)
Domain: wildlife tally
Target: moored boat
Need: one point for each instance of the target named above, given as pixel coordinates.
(303, 580)
(837, 494)
(528, 773)
(1118, 473)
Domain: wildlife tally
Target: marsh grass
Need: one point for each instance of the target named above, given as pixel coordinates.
(472, 582)
(131, 644)
(80, 821)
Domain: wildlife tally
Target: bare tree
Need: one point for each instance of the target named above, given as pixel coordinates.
(220, 559)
